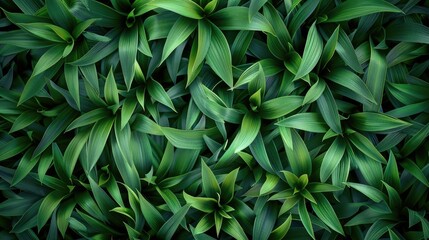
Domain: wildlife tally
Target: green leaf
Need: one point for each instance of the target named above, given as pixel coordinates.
(276, 108)
(301, 15)
(199, 50)
(63, 214)
(414, 169)
(100, 50)
(391, 173)
(57, 126)
(415, 141)
(127, 111)
(254, 7)
(326, 213)
(24, 120)
(305, 218)
(250, 74)
(366, 147)
(376, 122)
(48, 59)
(298, 156)
(204, 204)
(347, 52)
(209, 182)
(281, 231)
(349, 80)
(219, 56)
(186, 8)
(157, 92)
(49, 204)
(248, 131)
(371, 192)
(269, 184)
(329, 49)
(180, 31)
(228, 186)
(332, 158)
(60, 14)
(150, 213)
(26, 164)
(97, 140)
(28, 7)
(236, 18)
(394, 198)
(312, 52)
(14, 147)
(328, 109)
(88, 118)
(377, 71)
(309, 121)
(357, 8)
(169, 228)
(408, 32)
(234, 229)
(205, 224)
(314, 92)
(128, 44)
(265, 221)
(378, 229)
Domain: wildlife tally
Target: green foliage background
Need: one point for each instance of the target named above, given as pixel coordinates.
(203, 119)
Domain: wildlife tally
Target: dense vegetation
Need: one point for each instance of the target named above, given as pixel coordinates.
(228, 119)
